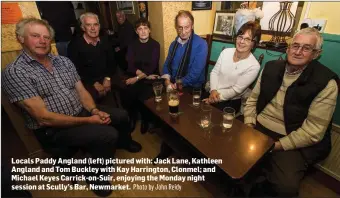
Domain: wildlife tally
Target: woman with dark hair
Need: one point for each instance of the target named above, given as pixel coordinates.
(143, 60)
(235, 69)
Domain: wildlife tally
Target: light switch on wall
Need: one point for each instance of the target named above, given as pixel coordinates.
(319, 24)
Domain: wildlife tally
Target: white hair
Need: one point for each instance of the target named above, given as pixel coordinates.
(312, 31)
(88, 14)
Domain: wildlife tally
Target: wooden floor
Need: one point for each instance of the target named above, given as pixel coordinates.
(151, 143)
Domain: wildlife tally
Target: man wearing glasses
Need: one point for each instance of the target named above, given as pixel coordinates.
(293, 102)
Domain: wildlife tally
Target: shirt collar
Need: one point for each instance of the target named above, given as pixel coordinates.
(181, 41)
(295, 72)
(91, 42)
(29, 58)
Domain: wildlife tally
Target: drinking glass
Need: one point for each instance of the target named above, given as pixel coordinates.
(206, 111)
(157, 89)
(179, 85)
(173, 101)
(196, 97)
(228, 117)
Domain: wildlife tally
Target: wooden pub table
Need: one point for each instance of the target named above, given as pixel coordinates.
(240, 147)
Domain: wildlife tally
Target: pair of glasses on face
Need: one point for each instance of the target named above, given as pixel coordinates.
(305, 48)
(246, 40)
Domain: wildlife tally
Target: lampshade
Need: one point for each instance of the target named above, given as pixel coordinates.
(281, 23)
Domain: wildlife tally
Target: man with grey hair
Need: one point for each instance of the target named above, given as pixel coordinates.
(93, 57)
(54, 102)
(293, 102)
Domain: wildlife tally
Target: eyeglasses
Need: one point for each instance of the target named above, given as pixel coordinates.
(305, 48)
(246, 40)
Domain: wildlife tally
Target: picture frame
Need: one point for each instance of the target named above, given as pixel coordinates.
(224, 23)
(143, 9)
(126, 6)
(201, 5)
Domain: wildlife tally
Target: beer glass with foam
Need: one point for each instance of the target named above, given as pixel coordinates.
(173, 101)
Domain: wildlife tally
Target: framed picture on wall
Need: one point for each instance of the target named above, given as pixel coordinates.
(224, 23)
(201, 5)
(126, 7)
(143, 9)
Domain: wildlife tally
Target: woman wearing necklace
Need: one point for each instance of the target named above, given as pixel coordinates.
(235, 69)
(142, 58)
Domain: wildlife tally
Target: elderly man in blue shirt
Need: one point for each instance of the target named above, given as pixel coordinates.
(187, 55)
(186, 61)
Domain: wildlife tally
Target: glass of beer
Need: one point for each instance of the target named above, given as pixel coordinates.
(228, 117)
(206, 111)
(173, 101)
(179, 85)
(157, 89)
(196, 97)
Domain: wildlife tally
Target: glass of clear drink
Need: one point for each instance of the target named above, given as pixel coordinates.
(206, 111)
(196, 97)
(173, 101)
(157, 89)
(179, 85)
(228, 117)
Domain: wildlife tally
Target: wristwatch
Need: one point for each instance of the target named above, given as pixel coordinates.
(137, 78)
(95, 108)
(107, 78)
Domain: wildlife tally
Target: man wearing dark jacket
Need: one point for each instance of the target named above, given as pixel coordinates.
(293, 102)
(93, 57)
(126, 34)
